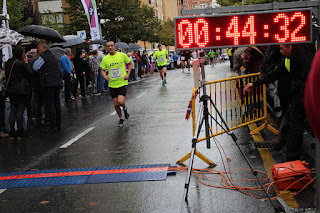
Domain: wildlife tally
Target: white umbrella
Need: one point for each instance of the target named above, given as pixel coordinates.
(9, 37)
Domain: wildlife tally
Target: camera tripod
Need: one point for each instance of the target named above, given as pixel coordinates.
(205, 119)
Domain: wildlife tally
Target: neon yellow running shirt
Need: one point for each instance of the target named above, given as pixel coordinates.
(162, 57)
(116, 68)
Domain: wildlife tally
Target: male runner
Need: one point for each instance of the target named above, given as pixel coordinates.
(117, 78)
(211, 55)
(162, 56)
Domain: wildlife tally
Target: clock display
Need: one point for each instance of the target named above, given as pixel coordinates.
(280, 27)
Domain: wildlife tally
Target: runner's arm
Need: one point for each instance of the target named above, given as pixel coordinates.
(104, 74)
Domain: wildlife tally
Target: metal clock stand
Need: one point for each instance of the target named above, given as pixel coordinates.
(205, 118)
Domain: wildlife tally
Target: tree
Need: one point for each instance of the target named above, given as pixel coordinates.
(127, 19)
(15, 11)
(78, 18)
(52, 19)
(150, 25)
(166, 34)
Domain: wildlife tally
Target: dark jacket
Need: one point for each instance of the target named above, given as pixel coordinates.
(80, 66)
(19, 80)
(50, 73)
(145, 59)
(253, 58)
(300, 62)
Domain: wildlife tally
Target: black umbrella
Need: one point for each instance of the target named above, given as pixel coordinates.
(98, 41)
(122, 45)
(135, 46)
(58, 52)
(42, 32)
(72, 40)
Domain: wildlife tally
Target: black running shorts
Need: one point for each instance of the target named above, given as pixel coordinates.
(115, 92)
(161, 67)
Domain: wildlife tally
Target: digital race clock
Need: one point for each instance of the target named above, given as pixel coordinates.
(276, 27)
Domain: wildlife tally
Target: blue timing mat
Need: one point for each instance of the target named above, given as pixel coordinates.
(84, 176)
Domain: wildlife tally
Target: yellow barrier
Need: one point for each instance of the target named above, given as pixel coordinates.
(238, 108)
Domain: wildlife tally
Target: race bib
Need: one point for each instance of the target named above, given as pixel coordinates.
(161, 59)
(115, 73)
(182, 58)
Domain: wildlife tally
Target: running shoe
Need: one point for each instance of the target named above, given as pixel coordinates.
(120, 124)
(164, 82)
(126, 113)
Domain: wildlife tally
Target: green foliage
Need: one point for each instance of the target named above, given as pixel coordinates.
(78, 19)
(150, 25)
(137, 22)
(16, 10)
(52, 19)
(166, 33)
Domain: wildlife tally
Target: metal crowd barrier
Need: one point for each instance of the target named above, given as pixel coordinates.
(238, 108)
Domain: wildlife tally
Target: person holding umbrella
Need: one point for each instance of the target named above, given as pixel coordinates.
(82, 70)
(50, 82)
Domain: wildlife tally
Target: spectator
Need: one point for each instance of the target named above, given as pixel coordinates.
(3, 133)
(253, 57)
(144, 62)
(17, 71)
(101, 81)
(82, 71)
(50, 82)
(237, 61)
(297, 62)
(94, 67)
(311, 96)
(66, 67)
(175, 58)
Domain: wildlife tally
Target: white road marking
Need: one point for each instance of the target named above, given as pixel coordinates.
(2, 190)
(141, 95)
(66, 145)
(115, 112)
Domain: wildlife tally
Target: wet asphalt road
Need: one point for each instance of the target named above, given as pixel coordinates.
(155, 133)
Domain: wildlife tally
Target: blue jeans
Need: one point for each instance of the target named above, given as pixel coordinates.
(101, 82)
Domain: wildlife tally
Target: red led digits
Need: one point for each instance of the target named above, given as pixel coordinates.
(185, 34)
(265, 28)
(302, 24)
(234, 25)
(283, 27)
(251, 33)
(203, 32)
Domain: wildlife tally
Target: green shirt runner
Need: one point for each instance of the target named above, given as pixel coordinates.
(211, 54)
(162, 57)
(116, 68)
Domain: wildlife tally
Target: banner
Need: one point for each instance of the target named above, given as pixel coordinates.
(92, 16)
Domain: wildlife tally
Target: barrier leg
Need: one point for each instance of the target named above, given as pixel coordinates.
(201, 156)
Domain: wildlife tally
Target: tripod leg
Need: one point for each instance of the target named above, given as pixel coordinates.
(186, 186)
(193, 150)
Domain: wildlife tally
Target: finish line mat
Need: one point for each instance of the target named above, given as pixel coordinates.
(84, 176)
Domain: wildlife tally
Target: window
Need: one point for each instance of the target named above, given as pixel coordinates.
(149, 1)
(202, 6)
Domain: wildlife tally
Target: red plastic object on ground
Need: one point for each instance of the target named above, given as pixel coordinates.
(288, 173)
